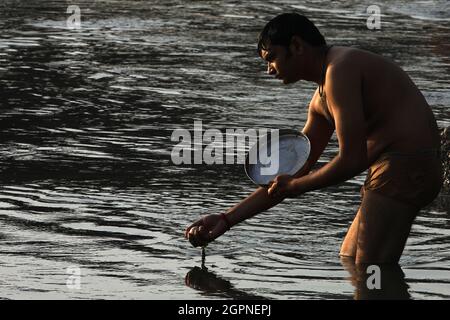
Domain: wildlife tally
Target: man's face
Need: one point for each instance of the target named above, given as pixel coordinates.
(281, 63)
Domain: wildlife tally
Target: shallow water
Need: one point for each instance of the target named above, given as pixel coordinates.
(87, 178)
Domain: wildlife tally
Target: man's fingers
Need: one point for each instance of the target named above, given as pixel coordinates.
(272, 189)
(203, 234)
(186, 232)
(198, 236)
(196, 223)
(193, 236)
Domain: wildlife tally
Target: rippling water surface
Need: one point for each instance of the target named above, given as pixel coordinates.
(87, 181)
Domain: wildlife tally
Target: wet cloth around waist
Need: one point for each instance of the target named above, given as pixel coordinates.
(413, 177)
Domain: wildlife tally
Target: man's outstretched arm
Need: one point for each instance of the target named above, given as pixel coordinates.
(210, 227)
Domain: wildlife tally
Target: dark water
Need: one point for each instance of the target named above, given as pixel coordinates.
(87, 179)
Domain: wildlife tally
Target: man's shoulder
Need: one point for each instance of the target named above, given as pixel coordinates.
(343, 60)
(345, 57)
(346, 67)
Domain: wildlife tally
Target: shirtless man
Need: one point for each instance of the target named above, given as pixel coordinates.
(382, 122)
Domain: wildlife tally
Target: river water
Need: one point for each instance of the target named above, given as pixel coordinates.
(91, 204)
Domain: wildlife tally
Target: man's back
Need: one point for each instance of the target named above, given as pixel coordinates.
(397, 115)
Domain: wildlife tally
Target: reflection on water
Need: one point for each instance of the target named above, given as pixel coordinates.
(86, 175)
(212, 285)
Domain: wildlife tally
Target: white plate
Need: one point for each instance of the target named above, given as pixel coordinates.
(293, 150)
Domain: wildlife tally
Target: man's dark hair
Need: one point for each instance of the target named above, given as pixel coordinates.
(281, 29)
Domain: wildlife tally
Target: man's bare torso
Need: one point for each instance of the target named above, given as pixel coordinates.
(397, 115)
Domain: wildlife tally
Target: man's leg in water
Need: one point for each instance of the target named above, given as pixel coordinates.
(379, 230)
(384, 226)
(350, 243)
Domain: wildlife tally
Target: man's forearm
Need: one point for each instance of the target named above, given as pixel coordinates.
(260, 201)
(336, 171)
(255, 203)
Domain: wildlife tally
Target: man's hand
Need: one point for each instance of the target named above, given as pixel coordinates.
(283, 186)
(205, 230)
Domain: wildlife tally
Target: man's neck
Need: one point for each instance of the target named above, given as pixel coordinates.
(318, 64)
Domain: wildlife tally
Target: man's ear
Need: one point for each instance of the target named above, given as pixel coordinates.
(297, 45)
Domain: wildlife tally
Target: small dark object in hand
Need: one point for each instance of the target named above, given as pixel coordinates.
(203, 258)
